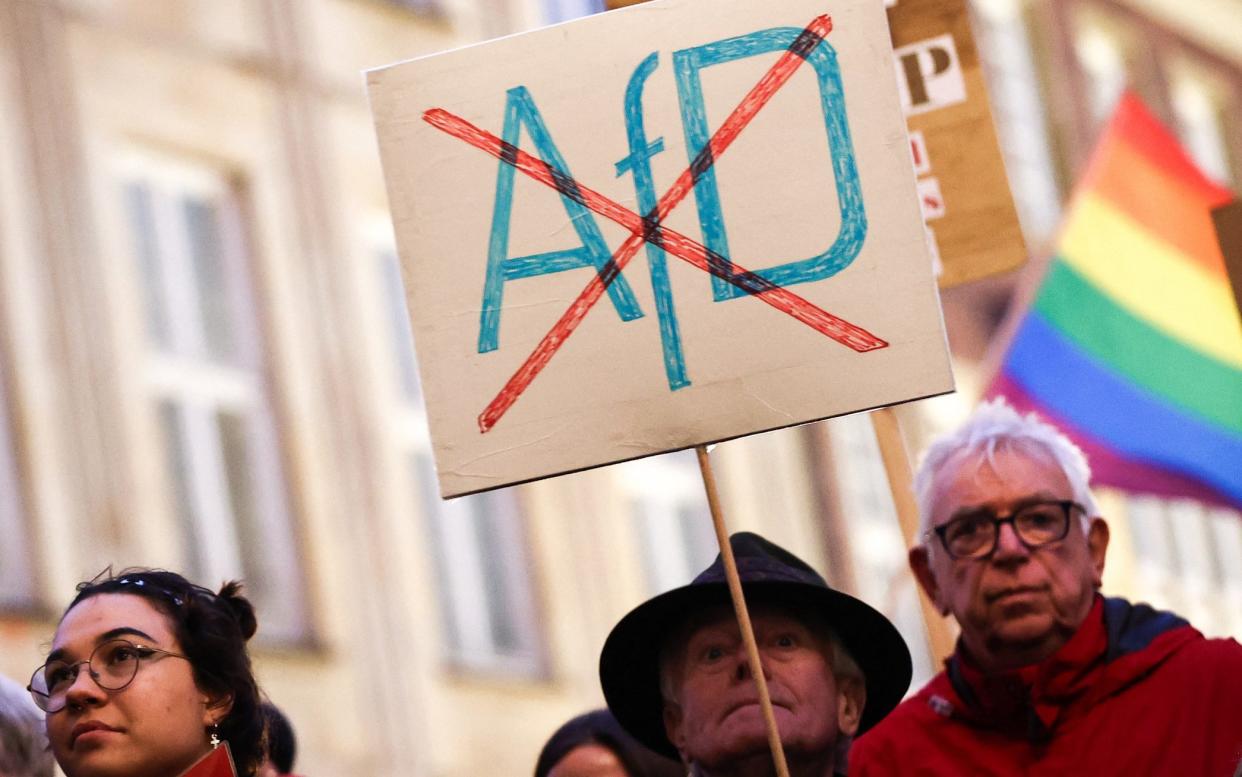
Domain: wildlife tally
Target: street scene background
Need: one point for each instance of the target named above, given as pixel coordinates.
(206, 366)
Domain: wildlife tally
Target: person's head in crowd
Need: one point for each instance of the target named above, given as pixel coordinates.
(167, 678)
(594, 745)
(677, 676)
(23, 743)
(282, 744)
(1011, 542)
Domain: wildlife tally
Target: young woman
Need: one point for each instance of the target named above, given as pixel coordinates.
(147, 673)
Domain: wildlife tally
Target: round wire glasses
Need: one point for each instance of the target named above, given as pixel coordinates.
(112, 665)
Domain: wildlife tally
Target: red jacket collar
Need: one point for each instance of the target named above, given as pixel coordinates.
(1031, 701)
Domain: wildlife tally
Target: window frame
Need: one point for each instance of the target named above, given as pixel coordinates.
(469, 642)
(1158, 50)
(1183, 552)
(669, 509)
(179, 369)
(18, 567)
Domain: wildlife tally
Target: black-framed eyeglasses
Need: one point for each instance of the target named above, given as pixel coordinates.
(112, 665)
(974, 535)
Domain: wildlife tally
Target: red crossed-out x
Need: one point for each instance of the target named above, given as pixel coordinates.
(650, 229)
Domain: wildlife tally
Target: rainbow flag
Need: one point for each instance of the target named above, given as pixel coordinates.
(1133, 344)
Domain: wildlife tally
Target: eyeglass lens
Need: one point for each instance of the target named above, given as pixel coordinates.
(112, 665)
(1037, 524)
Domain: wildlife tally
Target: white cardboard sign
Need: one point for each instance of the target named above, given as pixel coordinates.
(678, 223)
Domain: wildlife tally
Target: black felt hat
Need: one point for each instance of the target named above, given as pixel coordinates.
(629, 666)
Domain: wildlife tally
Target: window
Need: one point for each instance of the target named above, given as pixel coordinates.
(1104, 68)
(1200, 125)
(1186, 558)
(483, 574)
(1225, 536)
(207, 385)
(1009, 62)
(871, 522)
(1156, 563)
(477, 543)
(670, 510)
(397, 317)
(564, 10)
(16, 574)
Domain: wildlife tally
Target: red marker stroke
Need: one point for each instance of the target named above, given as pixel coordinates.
(649, 229)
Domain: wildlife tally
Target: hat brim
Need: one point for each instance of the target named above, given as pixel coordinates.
(629, 665)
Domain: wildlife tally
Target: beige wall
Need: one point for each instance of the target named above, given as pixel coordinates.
(269, 95)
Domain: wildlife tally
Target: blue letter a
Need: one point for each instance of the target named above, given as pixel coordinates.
(520, 109)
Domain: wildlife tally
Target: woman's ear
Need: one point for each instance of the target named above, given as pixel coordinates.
(216, 709)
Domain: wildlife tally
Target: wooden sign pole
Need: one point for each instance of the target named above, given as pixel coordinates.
(743, 615)
(901, 484)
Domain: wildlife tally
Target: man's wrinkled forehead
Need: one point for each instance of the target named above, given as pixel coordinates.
(722, 617)
(976, 468)
(714, 616)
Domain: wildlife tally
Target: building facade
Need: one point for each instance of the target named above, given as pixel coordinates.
(205, 365)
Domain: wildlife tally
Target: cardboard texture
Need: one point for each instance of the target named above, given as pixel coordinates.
(1228, 221)
(962, 182)
(808, 185)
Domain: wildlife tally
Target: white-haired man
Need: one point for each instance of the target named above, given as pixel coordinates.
(1048, 676)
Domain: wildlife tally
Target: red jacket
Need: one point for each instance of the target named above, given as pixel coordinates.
(1133, 692)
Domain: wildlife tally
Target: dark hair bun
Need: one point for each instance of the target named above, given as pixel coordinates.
(242, 609)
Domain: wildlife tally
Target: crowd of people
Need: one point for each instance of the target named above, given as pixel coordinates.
(1049, 677)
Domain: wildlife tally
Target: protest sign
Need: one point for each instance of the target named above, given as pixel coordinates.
(526, 173)
(962, 183)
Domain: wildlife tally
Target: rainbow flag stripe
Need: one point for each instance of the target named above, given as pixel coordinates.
(1133, 344)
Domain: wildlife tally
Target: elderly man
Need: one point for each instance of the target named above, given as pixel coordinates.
(676, 674)
(1048, 678)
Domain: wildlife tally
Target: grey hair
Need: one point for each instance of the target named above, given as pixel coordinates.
(994, 426)
(24, 750)
(844, 667)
